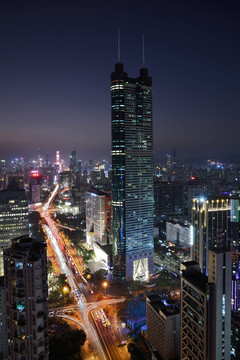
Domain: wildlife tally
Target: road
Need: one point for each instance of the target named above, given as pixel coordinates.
(111, 338)
(108, 338)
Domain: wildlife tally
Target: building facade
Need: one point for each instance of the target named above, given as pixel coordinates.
(195, 313)
(220, 274)
(25, 267)
(163, 328)
(168, 199)
(208, 218)
(13, 219)
(235, 326)
(98, 217)
(132, 165)
(178, 233)
(206, 307)
(3, 332)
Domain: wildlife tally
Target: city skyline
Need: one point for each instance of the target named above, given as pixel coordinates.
(56, 59)
(119, 180)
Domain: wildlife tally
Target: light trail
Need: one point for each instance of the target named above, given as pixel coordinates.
(53, 194)
(83, 308)
(92, 334)
(61, 258)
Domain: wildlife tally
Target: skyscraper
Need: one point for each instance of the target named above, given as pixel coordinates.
(220, 274)
(25, 267)
(73, 166)
(13, 218)
(195, 312)
(206, 307)
(208, 219)
(132, 165)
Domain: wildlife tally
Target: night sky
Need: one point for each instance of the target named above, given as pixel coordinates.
(55, 63)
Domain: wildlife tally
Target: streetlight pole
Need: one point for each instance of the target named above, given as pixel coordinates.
(105, 284)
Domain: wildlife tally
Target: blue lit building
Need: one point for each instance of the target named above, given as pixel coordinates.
(132, 165)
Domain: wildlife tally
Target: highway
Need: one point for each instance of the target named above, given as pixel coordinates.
(61, 259)
(108, 338)
(93, 338)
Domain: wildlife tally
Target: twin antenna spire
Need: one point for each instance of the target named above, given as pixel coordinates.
(118, 45)
(143, 49)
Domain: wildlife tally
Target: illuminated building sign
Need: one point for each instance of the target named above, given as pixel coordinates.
(35, 173)
(234, 210)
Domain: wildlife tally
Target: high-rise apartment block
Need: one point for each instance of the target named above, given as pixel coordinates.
(206, 307)
(13, 218)
(3, 336)
(163, 328)
(235, 326)
(25, 268)
(196, 297)
(132, 165)
(220, 275)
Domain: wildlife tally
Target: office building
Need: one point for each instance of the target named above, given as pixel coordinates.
(65, 186)
(211, 219)
(208, 217)
(13, 218)
(193, 189)
(99, 223)
(35, 187)
(98, 217)
(163, 328)
(132, 165)
(73, 166)
(15, 182)
(2, 167)
(25, 279)
(178, 233)
(168, 199)
(3, 332)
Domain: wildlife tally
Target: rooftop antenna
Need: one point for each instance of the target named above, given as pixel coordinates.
(118, 45)
(143, 51)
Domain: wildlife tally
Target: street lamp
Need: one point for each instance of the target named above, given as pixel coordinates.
(105, 285)
(65, 289)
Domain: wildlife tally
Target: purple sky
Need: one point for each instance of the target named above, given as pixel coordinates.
(57, 56)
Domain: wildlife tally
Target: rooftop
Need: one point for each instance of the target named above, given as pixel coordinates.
(163, 306)
(8, 195)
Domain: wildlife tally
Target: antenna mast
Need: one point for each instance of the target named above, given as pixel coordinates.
(118, 45)
(143, 51)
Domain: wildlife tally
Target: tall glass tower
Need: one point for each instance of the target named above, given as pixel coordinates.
(132, 164)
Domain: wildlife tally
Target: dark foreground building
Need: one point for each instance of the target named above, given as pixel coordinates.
(26, 293)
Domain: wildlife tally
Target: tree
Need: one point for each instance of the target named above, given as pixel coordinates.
(49, 267)
(64, 343)
(134, 351)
